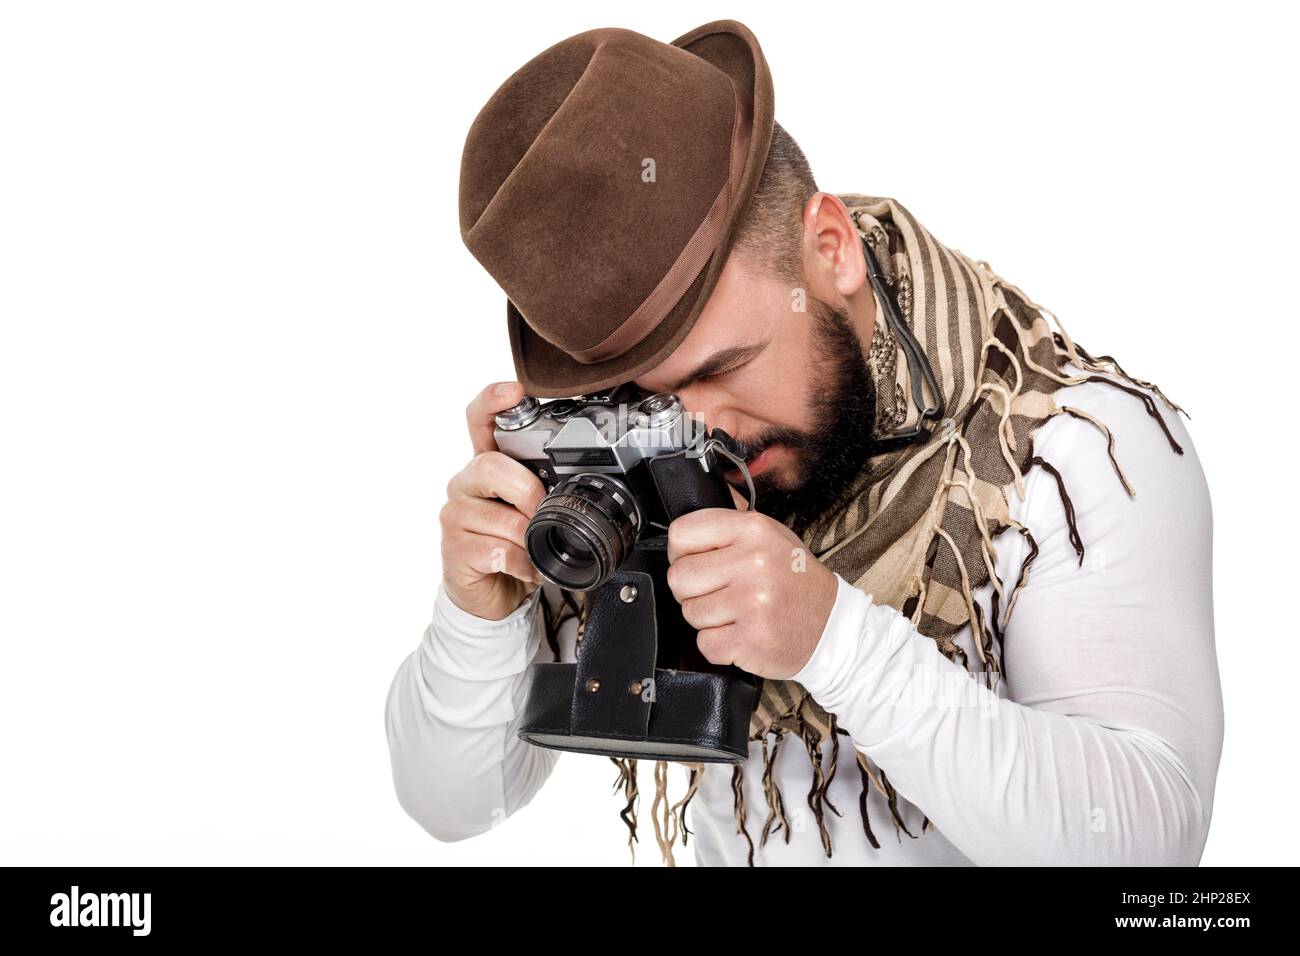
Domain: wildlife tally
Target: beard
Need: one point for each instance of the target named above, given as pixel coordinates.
(833, 451)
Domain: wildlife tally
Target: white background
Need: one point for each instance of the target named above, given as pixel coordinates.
(240, 330)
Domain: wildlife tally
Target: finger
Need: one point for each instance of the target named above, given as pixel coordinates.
(482, 516)
(705, 530)
(492, 474)
(709, 610)
(487, 554)
(719, 645)
(480, 412)
(693, 575)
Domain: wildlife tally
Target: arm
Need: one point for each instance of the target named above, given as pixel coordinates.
(451, 711)
(451, 714)
(1107, 748)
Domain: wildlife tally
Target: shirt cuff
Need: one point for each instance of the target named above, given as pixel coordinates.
(460, 622)
(470, 648)
(840, 639)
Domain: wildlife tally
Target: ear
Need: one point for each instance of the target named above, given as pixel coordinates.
(833, 244)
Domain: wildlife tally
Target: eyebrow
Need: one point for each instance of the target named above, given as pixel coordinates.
(721, 361)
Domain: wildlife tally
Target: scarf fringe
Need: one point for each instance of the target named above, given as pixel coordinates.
(1105, 363)
(1147, 402)
(1110, 440)
(738, 790)
(669, 822)
(627, 780)
(990, 553)
(1024, 567)
(817, 796)
(775, 803)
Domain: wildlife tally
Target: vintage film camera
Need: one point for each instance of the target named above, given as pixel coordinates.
(616, 474)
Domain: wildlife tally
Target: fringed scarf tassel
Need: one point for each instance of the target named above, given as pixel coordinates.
(1105, 363)
(775, 803)
(627, 780)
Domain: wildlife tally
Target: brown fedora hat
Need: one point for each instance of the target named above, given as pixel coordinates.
(602, 186)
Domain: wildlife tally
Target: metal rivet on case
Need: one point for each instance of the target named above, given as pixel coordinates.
(593, 684)
(627, 594)
(635, 689)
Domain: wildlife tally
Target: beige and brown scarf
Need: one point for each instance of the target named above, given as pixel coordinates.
(918, 527)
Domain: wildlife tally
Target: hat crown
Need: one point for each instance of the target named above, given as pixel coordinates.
(589, 171)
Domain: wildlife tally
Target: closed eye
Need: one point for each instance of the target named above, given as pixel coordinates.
(721, 363)
(721, 372)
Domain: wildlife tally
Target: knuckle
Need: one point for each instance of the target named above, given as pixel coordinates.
(487, 465)
(453, 547)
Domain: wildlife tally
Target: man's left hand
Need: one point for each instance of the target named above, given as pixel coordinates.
(750, 588)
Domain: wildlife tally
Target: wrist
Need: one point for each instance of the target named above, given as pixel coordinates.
(466, 621)
(838, 639)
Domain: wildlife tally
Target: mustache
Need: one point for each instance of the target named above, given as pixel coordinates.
(780, 435)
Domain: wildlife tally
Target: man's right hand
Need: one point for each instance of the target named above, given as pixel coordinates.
(485, 569)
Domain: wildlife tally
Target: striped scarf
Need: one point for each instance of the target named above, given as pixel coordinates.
(917, 530)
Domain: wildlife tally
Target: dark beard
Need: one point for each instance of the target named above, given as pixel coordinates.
(831, 453)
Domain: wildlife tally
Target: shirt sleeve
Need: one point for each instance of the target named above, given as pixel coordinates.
(451, 716)
(1105, 748)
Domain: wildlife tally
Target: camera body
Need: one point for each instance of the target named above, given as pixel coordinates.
(615, 472)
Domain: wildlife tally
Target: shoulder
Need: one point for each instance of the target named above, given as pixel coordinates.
(1125, 635)
(1101, 433)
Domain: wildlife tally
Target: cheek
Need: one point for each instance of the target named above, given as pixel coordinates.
(779, 391)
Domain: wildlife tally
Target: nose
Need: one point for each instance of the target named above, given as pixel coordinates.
(714, 413)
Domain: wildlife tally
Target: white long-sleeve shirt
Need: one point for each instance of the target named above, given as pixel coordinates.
(1100, 747)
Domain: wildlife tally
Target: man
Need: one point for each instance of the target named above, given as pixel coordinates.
(901, 407)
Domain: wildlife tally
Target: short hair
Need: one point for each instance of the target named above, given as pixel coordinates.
(770, 237)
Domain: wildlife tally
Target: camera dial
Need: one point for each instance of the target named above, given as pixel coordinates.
(519, 416)
(561, 410)
(657, 410)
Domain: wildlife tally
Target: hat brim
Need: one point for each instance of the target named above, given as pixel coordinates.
(547, 371)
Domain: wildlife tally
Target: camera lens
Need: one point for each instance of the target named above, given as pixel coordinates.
(583, 530)
(568, 546)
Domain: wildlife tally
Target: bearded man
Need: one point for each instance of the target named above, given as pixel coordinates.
(910, 420)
